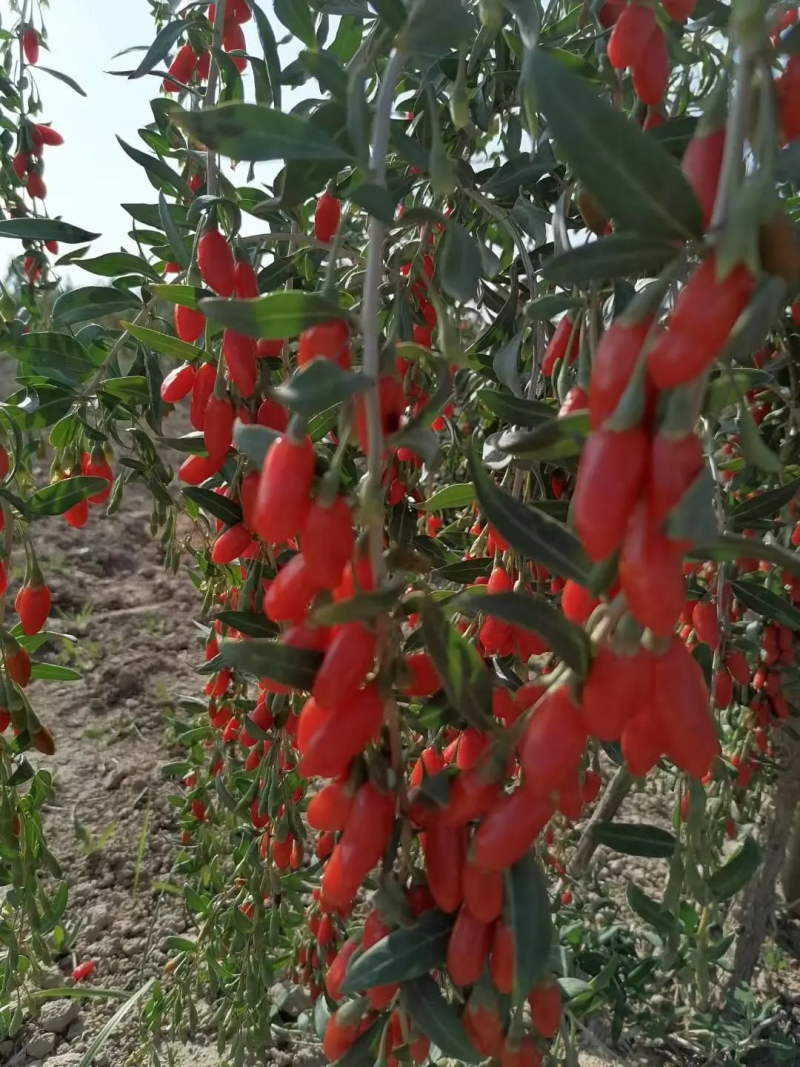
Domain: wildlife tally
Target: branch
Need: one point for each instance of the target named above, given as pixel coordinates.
(212, 163)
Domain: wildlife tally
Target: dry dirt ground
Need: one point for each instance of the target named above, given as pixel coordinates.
(137, 648)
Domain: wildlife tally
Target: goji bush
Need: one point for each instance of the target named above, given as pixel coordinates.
(489, 499)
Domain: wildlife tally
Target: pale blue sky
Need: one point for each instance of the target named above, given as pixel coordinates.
(89, 176)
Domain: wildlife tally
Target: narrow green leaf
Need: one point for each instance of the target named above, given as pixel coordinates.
(269, 46)
(247, 623)
(269, 659)
(459, 263)
(515, 410)
(59, 497)
(635, 839)
(765, 603)
(57, 356)
(730, 547)
(91, 302)
(752, 443)
(403, 954)
(159, 49)
(133, 389)
(221, 507)
(156, 168)
(560, 438)
(363, 607)
(180, 250)
(254, 441)
(30, 229)
(618, 256)
(318, 386)
(423, 1000)
(298, 19)
(458, 495)
(255, 133)
(188, 296)
(164, 343)
(274, 316)
(462, 671)
(435, 27)
(632, 177)
(737, 872)
(60, 76)
(465, 571)
(113, 264)
(649, 910)
(535, 613)
(765, 505)
(538, 536)
(531, 923)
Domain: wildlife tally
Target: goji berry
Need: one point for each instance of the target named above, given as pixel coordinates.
(178, 384)
(610, 478)
(553, 743)
(216, 263)
(468, 948)
(348, 660)
(328, 340)
(284, 489)
(362, 844)
(189, 323)
(326, 217)
(630, 36)
(329, 739)
(328, 540)
(444, 848)
(510, 828)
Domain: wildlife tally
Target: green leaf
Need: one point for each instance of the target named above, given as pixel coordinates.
(462, 671)
(560, 438)
(52, 672)
(435, 27)
(616, 256)
(649, 910)
(179, 248)
(247, 623)
(134, 389)
(438, 1020)
(164, 343)
(752, 443)
(538, 536)
(255, 133)
(375, 200)
(298, 19)
(221, 507)
(505, 362)
(535, 613)
(318, 386)
(91, 302)
(458, 495)
(459, 263)
(403, 954)
(59, 497)
(59, 76)
(116, 1020)
(30, 229)
(159, 49)
(190, 444)
(726, 389)
(270, 659)
(254, 441)
(55, 355)
(547, 307)
(188, 296)
(765, 603)
(269, 46)
(327, 68)
(730, 547)
(363, 607)
(737, 872)
(157, 169)
(765, 505)
(635, 839)
(113, 264)
(531, 923)
(632, 177)
(515, 410)
(465, 571)
(274, 316)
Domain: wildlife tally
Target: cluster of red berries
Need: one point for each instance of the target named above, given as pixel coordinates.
(638, 42)
(187, 62)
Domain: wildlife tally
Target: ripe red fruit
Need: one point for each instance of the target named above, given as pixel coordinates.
(35, 186)
(614, 692)
(424, 679)
(218, 427)
(392, 403)
(651, 70)
(680, 10)
(231, 544)
(284, 490)
(681, 704)
(702, 163)
(510, 828)
(562, 344)
(83, 970)
(196, 469)
(95, 465)
(348, 660)
(330, 807)
(523, 1053)
(610, 477)
(706, 623)
(291, 592)
(202, 390)
(337, 972)
(245, 280)
(234, 40)
(630, 36)
(704, 315)
(328, 340)
(674, 465)
(788, 99)
(737, 664)
(326, 217)
(215, 260)
(328, 540)
(363, 843)
(328, 742)
(178, 384)
(613, 365)
(30, 45)
(340, 1035)
(482, 1023)
(483, 892)
(643, 741)
(266, 348)
(239, 352)
(181, 69)
(46, 135)
(553, 743)
(272, 415)
(468, 948)
(32, 604)
(502, 962)
(651, 574)
(20, 164)
(545, 1005)
(189, 323)
(18, 665)
(495, 632)
(78, 515)
(444, 848)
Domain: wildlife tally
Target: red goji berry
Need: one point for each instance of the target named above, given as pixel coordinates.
(326, 217)
(468, 948)
(216, 263)
(178, 384)
(284, 489)
(610, 478)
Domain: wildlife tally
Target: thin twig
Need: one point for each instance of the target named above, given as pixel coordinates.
(210, 99)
